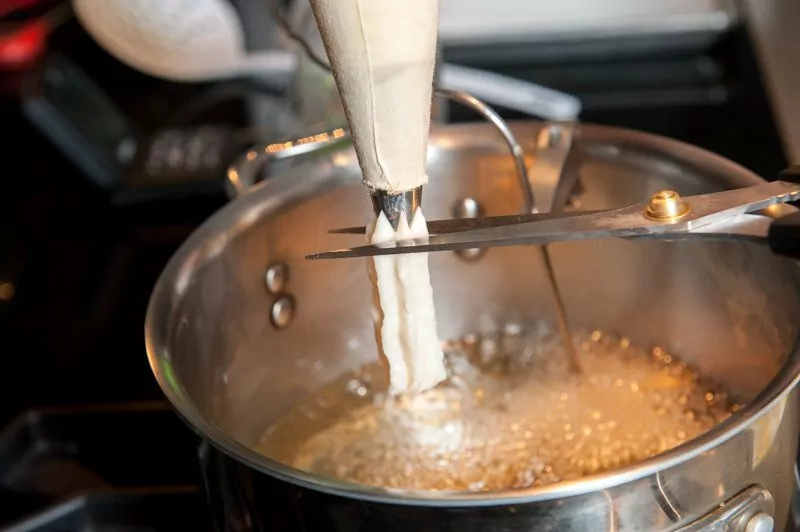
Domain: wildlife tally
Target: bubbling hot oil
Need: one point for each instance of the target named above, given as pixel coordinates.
(511, 415)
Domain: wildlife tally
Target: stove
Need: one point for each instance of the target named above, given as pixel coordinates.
(76, 270)
(126, 467)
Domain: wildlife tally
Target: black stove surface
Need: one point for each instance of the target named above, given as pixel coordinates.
(82, 269)
(129, 467)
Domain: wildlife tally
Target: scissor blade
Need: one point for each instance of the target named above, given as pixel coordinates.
(457, 225)
(544, 231)
(620, 223)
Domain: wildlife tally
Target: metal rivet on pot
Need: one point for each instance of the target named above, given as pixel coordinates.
(276, 277)
(282, 312)
(470, 254)
(760, 522)
(468, 208)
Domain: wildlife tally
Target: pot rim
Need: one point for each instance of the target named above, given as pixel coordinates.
(777, 389)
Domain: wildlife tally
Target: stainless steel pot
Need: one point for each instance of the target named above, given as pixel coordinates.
(240, 327)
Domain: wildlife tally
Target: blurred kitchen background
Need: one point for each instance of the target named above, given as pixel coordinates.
(118, 123)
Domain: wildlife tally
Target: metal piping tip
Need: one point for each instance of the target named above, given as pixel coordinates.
(393, 204)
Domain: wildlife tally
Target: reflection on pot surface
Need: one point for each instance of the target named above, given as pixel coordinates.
(513, 415)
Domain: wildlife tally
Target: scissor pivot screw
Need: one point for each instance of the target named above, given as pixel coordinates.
(666, 205)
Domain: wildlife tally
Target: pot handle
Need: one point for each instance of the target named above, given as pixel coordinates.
(244, 173)
(783, 237)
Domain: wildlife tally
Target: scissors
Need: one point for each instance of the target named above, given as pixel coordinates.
(729, 215)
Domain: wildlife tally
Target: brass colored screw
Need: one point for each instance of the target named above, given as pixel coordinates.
(6, 291)
(666, 205)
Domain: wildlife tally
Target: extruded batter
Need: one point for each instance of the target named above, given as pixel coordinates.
(382, 54)
(403, 310)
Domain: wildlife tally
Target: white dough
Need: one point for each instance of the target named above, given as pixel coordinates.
(382, 53)
(403, 310)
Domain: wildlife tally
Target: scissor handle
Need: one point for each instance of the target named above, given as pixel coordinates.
(784, 233)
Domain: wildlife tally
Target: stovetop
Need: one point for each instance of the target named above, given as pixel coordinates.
(81, 268)
(128, 467)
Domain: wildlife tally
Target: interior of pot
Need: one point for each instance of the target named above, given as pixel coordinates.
(728, 309)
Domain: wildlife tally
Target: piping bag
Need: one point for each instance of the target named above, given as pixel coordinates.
(382, 54)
